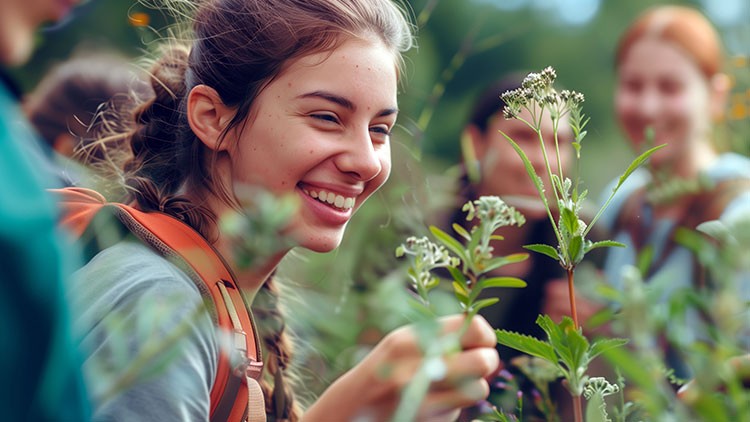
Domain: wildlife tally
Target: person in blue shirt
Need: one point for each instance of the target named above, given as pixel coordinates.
(39, 368)
(671, 90)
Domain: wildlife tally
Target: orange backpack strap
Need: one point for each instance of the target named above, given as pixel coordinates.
(236, 394)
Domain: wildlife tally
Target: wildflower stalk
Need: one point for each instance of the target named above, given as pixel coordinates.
(469, 259)
(537, 96)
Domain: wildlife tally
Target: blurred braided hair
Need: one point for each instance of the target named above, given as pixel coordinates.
(239, 47)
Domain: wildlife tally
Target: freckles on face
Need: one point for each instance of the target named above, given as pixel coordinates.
(320, 133)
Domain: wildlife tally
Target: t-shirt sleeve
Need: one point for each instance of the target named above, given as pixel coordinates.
(150, 344)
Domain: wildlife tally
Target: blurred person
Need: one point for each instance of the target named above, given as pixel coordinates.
(500, 171)
(40, 372)
(295, 98)
(71, 102)
(671, 90)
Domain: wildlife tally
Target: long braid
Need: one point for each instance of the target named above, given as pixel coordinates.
(276, 384)
(163, 146)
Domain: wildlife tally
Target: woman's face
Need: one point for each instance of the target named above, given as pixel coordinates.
(320, 132)
(502, 170)
(19, 20)
(660, 87)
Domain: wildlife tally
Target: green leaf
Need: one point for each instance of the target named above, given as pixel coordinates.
(480, 304)
(527, 344)
(457, 275)
(495, 282)
(596, 408)
(460, 288)
(452, 244)
(544, 249)
(637, 163)
(461, 231)
(569, 220)
(529, 167)
(504, 260)
(604, 244)
(576, 250)
(601, 346)
(502, 282)
(461, 293)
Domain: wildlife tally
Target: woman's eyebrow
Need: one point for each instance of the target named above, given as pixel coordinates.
(344, 102)
(328, 96)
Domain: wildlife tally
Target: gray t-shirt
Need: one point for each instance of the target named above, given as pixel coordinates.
(138, 314)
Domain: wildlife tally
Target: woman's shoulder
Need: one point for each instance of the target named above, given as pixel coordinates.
(730, 165)
(133, 264)
(127, 299)
(125, 274)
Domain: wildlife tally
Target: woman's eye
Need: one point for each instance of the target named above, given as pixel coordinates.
(381, 129)
(325, 117)
(381, 132)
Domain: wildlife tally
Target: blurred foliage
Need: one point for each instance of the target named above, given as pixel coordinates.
(349, 297)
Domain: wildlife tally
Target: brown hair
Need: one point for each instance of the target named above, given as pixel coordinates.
(71, 96)
(239, 47)
(683, 26)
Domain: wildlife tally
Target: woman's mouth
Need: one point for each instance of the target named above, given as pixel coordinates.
(332, 199)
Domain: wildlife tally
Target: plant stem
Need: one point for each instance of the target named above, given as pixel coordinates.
(577, 409)
(572, 295)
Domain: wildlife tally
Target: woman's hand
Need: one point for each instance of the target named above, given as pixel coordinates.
(372, 389)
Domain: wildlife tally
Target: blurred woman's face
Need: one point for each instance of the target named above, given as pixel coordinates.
(502, 170)
(660, 87)
(19, 20)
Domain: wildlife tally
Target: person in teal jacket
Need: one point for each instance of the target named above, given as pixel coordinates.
(39, 367)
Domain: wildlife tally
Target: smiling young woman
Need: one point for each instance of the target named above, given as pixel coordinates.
(292, 97)
(670, 90)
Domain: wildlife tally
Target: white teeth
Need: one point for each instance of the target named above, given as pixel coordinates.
(337, 201)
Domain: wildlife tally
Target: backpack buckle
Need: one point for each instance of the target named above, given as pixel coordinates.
(246, 366)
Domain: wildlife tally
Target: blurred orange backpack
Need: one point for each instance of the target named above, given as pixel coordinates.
(236, 394)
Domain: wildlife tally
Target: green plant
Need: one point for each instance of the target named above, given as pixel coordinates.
(566, 346)
(470, 269)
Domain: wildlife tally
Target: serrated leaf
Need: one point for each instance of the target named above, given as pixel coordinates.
(569, 220)
(601, 346)
(449, 242)
(543, 249)
(596, 409)
(527, 344)
(575, 250)
(604, 244)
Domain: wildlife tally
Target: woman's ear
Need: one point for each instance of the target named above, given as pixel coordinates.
(208, 116)
(473, 135)
(720, 85)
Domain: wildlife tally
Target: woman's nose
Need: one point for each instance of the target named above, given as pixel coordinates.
(360, 158)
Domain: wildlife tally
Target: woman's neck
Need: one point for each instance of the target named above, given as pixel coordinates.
(688, 165)
(249, 278)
